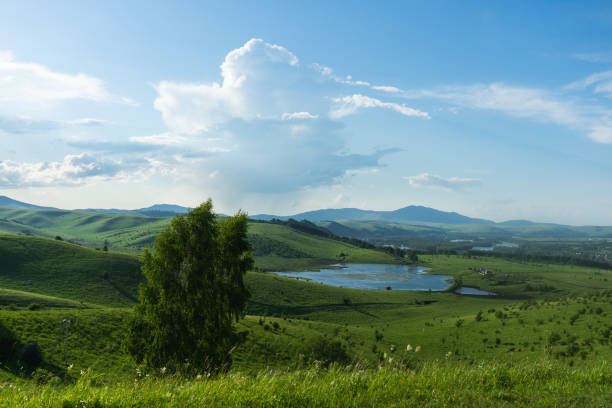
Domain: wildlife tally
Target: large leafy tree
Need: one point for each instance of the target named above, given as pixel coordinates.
(194, 291)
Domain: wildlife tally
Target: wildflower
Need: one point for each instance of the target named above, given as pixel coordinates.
(390, 360)
(70, 367)
(385, 356)
(409, 348)
(163, 370)
(448, 354)
(392, 348)
(199, 377)
(83, 372)
(417, 349)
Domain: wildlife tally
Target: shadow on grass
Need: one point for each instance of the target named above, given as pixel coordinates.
(258, 308)
(12, 356)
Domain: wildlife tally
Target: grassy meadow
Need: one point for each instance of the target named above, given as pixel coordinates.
(545, 340)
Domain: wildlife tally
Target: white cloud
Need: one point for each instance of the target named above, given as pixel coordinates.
(161, 139)
(385, 88)
(600, 82)
(28, 83)
(299, 115)
(454, 184)
(259, 80)
(349, 105)
(22, 124)
(72, 170)
(531, 103)
(270, 125)
(594, 56)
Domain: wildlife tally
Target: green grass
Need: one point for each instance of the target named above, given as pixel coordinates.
(535, 341)
(21, 299)
(125, 232)
(61, 269)
(440, 384)
(300, 251)
(511, 278)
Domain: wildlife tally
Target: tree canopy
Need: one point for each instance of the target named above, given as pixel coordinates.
(194, 292)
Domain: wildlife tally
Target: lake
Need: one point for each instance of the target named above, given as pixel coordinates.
(465, 290)
(376, 276)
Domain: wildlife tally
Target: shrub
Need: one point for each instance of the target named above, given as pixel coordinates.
(8, 342)
(31, 356)
(34, 306)
(326, 351)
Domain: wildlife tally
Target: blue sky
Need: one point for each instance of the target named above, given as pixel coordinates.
(499, 110)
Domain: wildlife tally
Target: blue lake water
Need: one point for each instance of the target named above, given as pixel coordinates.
(376, 276)
(464, 290)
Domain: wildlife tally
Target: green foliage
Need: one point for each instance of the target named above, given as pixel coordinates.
(31, 356)
(326, 351)
(8, 344)
(193, 293)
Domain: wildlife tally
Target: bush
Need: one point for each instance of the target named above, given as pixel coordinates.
(31, 356)
(34, 306)
(326, 351)
(8, 342)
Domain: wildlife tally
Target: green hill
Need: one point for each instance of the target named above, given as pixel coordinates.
(56, 268)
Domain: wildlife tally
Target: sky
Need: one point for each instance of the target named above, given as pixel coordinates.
(494, 109)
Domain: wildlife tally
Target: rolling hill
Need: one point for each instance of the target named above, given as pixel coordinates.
(10, 203)
(64, 270)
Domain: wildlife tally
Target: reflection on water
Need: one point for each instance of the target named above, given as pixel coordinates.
(376, 276)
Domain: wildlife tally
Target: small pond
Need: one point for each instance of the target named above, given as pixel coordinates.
(376, 276)
(464, 290)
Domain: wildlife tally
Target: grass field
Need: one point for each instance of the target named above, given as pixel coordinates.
(440, 384)
(549, 320)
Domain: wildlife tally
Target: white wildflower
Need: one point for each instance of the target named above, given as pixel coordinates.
(417, 349)
(409, 348)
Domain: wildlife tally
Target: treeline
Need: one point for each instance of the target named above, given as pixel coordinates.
(525, 257)
(311, 228)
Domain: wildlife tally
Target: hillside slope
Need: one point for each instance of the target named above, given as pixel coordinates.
(56, 268)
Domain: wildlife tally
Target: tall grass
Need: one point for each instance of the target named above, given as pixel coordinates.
(440, 384)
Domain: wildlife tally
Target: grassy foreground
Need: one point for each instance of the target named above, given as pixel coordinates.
(440, 384)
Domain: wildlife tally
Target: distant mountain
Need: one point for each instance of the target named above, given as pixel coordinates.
(10, 203)
(411, 213)
(156, 210)
(177, 209)
(517, 223)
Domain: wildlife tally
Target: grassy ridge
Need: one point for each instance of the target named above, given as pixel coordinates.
(125, 232)
(437, 384)
(61, 269)
(278, 247)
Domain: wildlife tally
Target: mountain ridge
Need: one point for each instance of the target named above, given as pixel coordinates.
(410, 213)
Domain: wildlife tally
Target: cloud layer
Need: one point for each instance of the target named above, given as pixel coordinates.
(27, 83)
(272, 124)
(452, 184)
(72, 170)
